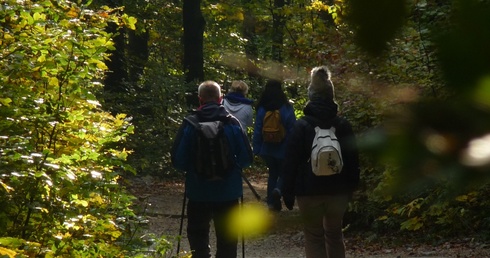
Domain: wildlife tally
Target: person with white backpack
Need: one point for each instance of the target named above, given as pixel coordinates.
(321, 168)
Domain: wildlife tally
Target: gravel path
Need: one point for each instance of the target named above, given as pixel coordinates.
(163, 204)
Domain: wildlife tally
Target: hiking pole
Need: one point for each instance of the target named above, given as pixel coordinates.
(243, 233)
(181, 221)
(251, 187)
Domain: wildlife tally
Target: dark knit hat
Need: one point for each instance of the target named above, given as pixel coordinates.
(321, 87)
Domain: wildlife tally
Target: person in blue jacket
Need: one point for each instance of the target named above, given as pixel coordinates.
(273, 98)
(211, 199)
(322, 200)
(238, 105)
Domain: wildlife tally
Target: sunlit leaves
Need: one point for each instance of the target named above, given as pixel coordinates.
(481, 93)
(53, 81)
(5, 186)
(5, 101)
(129, 21)
(59, 153)
(7, 252)
(317, 6)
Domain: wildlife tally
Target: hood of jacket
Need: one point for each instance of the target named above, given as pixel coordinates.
(236, 98)
(322, 110)
(212, 111)
(234, 107)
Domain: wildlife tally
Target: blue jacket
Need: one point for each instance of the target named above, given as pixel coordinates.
(261, 148)
(183, 152)
(240, 107)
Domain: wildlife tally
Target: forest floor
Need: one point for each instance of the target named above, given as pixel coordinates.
(160, 201)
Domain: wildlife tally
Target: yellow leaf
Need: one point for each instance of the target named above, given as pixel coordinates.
(38, 16)
(101, 65)
(42, 58)
(240, 16)
(40, 29)
(83, 203)
(7, 36)
(462, 198)
(115, 234)
(7, 252)
(53, 81)
(132, 22)
(72, 13)
(95, 198)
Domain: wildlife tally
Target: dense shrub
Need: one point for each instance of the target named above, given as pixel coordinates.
(59, 154)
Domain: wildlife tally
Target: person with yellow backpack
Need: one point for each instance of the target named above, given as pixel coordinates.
(274, 120)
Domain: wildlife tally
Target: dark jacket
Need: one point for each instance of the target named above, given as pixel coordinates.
(299, 179)
(198, 189)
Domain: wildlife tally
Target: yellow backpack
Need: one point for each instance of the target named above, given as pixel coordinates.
(272, 130)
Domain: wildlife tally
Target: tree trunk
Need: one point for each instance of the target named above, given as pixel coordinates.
(138, 54)
(193, 22)
(278, 30)
(117, 66)
(327, 17)
(251, 51)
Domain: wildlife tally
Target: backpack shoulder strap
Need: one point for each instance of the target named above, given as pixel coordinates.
(193, 120)
(229, 119)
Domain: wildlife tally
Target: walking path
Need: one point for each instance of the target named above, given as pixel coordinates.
(163, 202)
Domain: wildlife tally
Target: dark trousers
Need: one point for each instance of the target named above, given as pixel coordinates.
(199, 216)
(274, 180)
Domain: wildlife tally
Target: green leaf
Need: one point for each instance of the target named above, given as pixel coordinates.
(482, 92)
(5, 101)
(11, 241)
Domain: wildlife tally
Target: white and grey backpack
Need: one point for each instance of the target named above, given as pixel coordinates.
(326, 155)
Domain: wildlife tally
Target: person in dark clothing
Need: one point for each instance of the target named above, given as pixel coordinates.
(322, 200)
(272, 98)
(211, 199)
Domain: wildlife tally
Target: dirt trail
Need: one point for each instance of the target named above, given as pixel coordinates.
(163, 202)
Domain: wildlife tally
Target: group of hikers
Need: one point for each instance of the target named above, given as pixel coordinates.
(213, 148)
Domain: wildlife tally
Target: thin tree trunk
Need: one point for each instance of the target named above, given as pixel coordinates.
(327, 17)
(194, 23)
(138, 53)
(278, 30)
(117, 66)
(251, 51)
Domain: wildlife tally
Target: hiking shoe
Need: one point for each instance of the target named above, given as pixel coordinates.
(276, 197)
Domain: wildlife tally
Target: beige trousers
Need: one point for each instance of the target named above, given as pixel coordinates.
(322, 219)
